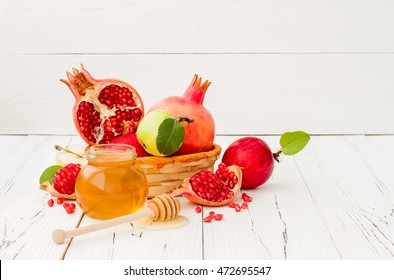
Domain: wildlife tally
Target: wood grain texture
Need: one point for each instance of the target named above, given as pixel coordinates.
(350, 183)
(127, 241)
(175, 26)
(26, 221)
(277, 224)
(334, 200)
(250, 94)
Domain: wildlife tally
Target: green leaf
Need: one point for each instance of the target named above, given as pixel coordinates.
(49, 173)
(293, 142)
(170, 136)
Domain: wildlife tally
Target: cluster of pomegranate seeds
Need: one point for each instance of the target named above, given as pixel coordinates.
(65, 177)
(122, 121)
(88, 119)
(214, 186)
(114, 95)
(212, 216)
(228, 177)
(89, 122)
(238, 207)
(69, 207)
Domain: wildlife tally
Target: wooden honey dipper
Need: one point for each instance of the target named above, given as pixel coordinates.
(161, 208)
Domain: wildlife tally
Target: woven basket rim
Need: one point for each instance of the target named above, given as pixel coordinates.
(161, 161)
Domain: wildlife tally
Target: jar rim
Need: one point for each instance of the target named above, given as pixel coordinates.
(123, 152)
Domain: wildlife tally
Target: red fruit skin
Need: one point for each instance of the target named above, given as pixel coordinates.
(255, 158)
(200, 134)
(131, 139)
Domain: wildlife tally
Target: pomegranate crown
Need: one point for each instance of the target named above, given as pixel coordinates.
(79, 82)
(196, 91)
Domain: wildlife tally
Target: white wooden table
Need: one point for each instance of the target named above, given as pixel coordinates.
(334, 200)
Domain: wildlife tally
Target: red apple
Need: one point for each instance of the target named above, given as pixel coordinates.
(255, 158)
(131, 139)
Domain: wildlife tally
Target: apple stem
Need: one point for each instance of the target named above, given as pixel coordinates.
(184, 119)
(276, 155)
(59, 148)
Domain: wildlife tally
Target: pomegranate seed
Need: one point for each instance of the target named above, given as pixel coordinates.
(212, 214)
(246, 197)
(244, 205)
(70, 210)
(60, 200)
(232, 205)
(66, 204)
(237, 208)
(50, 202)
(218, 217)
(207, 219)
(198, 209)
(72, 205)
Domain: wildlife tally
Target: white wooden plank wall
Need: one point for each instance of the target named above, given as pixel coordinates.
(322, 66)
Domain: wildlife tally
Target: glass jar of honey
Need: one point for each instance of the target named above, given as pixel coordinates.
(111, 184)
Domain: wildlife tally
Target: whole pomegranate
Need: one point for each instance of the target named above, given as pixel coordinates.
(199, 134)
(255, 158)
(104, 108)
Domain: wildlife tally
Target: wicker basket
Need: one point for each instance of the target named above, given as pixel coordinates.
(166, 173)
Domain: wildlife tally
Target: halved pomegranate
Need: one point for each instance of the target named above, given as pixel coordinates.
(104, 108)
(212, 189)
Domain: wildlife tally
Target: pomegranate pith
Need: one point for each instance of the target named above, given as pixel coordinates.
(103, 108)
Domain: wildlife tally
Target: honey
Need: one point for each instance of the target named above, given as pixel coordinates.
(111, 184)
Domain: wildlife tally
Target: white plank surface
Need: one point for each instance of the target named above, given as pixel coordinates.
(250, 94)
(127, 241)
(351, 184)
(334, 200)
(26, 221)
(204, 26)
